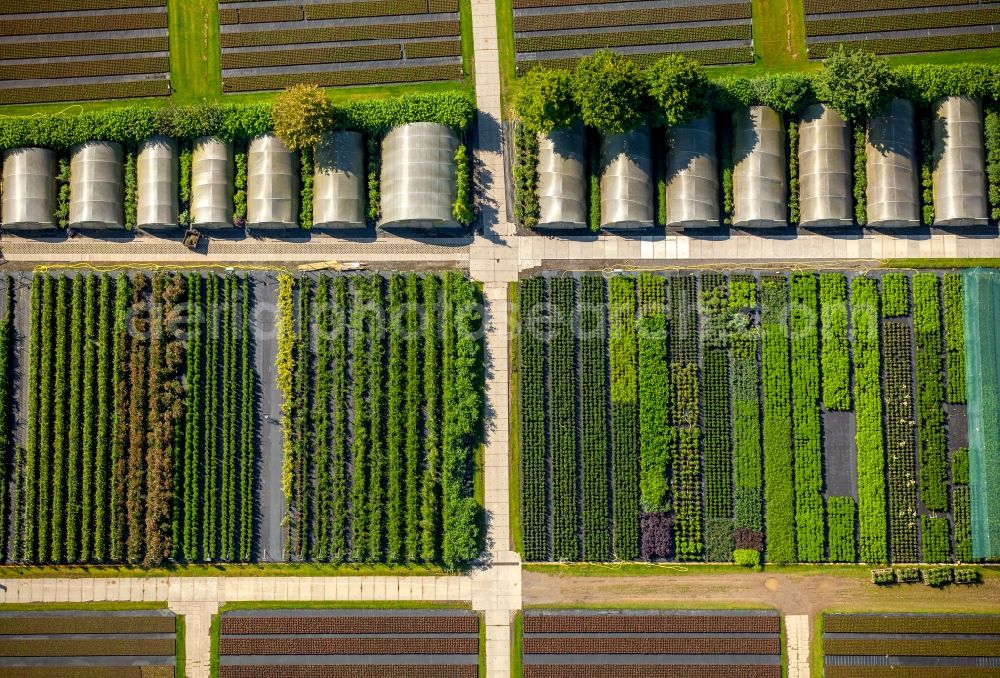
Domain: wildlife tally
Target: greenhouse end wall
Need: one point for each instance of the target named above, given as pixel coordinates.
(981, 306)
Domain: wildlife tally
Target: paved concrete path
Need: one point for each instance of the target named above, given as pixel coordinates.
(797, 644)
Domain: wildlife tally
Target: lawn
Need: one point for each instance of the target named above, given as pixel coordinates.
(195, 59)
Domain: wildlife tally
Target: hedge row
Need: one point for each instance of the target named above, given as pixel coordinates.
(900, 22)
(666, 36)
(900, 440)
(991, 132)
(382, 76)
(868, 405)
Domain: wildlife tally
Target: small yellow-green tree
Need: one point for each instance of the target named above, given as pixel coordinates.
(300, 115)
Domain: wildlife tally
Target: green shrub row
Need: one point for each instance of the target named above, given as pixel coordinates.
(623, 351)
(900, 440)
(461, 210)
(992, 138)
(868, 406)
(954, 336)
(136, 123)
(962, 518)
(926, 133)
(593, 416)
(685, 416)
(860, 179)
(561, 417)
(936, 538)
(526, 207)
(716, 407)
(895, 295)
(793, 171)
(531, 373)
(131, 188)
(836, 357)
(933, 474)
(808, 451)
(654, 443)
(841, 514)
(744, 342)
(779, 492)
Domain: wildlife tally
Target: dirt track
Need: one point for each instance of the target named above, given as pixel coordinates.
(789, 593)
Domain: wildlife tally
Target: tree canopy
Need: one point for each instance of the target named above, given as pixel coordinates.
(680, 89)
(857, 84)
(545, 100)
(610, 91)
(300, 115)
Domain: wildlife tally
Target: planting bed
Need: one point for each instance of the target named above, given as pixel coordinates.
(107, 50)
(900, 27)
(139, 444)
(70, 643)
(278, 43)
(382, 405)
(146, 408)
(717, 388)
(556, 33)
(859, 645)
(355, 643)
(633, 643)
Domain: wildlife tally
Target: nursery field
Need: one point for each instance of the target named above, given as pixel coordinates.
(382, 411)
(196, 417)
(274, 44)
(795, 418)
(104, 49)
(900, 26)
(290, 643)
(70, 643)
(140, 443)
(555, 33)
(925, 645)
(594, 643)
